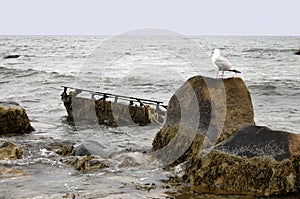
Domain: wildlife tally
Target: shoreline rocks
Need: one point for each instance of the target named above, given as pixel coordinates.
(208, 107)
(256, 160)
(14, 120)
(78, 157)
(10, 151)
(224, 152)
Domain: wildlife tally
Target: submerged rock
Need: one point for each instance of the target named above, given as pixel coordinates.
(6, 172)
(71, 150)
(255, 160)
(78, 156)
(10, 151)
(87, 163)
(14, 120)
(214, 108)
(11, 56)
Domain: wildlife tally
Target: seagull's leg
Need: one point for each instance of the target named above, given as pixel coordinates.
(217, 74)
(222, 74)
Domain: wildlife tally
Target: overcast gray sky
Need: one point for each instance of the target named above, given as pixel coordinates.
(112, 17)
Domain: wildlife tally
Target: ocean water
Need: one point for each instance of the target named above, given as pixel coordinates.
(142, 66)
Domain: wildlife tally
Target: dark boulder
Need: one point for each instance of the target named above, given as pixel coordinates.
(256, 160)
(298, 52)
(14, 120)
(260, 141)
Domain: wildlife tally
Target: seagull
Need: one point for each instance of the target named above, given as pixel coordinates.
(221, 63)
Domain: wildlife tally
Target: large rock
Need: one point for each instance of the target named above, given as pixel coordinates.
(10, 151)
(14, 120)
(215, 108)
(255, 160)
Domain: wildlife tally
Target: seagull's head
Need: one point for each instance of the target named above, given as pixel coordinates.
(216, 52)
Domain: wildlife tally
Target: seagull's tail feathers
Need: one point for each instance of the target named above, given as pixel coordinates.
(236, 71)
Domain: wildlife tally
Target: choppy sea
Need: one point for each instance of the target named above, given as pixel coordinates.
(151, 67)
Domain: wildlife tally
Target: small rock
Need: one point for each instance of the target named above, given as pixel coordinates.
(10, 151)
(87, 163)
(81, 150)
(12, 56)
(298, 52)
(68, 149)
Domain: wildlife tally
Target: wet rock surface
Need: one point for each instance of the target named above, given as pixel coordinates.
(215, 108)
(255, 160)
(10, 151)
(228, 154)
(86, 163)
(260, 141)
(78, 156)
(219, 172)
(13, 120)
(175, 144)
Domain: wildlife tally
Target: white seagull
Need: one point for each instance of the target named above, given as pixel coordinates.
(221, 63)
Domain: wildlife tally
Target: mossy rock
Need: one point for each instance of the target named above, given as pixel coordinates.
(255, 160)
(219, 172)
(14, 120)
(10, 151)
(86, 163)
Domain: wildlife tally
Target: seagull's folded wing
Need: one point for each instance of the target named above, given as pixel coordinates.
(223, 63)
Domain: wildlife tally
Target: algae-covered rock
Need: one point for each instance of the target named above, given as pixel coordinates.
(255, 160)
(219, 172)
(78, 156)
(215, 108)
(14, 120)
(10, 151)
(87, 163)
(71, 150)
